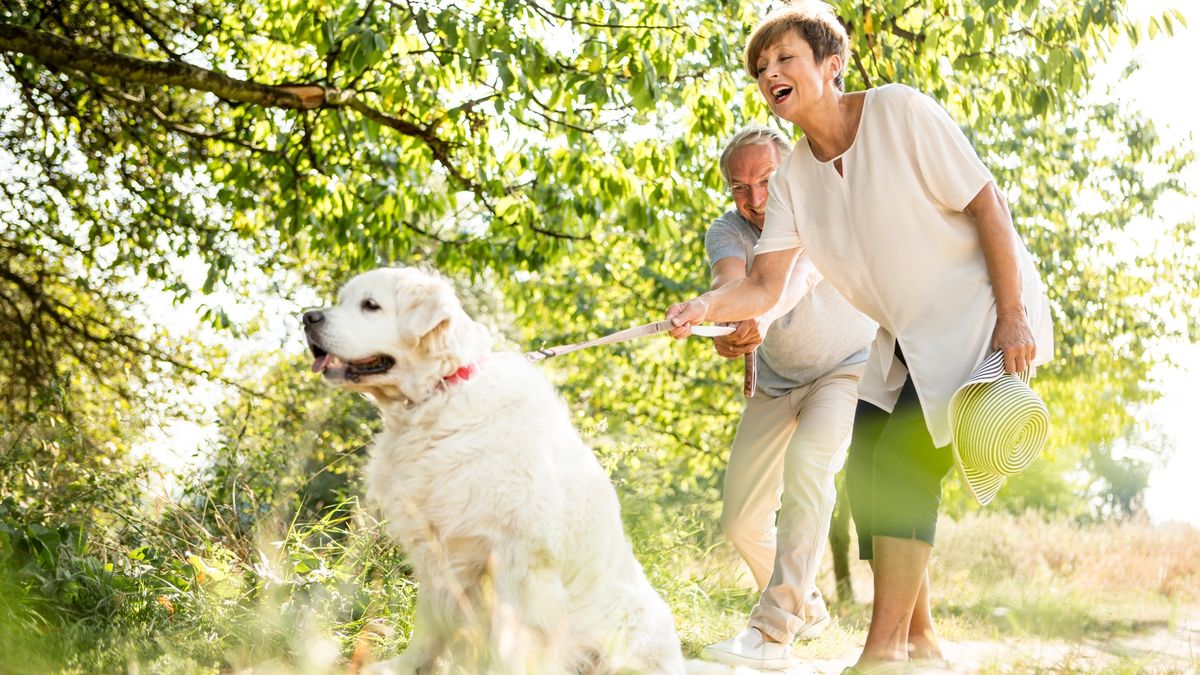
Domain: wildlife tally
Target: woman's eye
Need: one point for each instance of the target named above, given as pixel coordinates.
(370, 305)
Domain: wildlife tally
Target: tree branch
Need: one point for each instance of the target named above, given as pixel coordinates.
(65, 54)
(548, 14)
(862, 70)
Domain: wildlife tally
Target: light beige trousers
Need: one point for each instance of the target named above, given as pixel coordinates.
(784, 457)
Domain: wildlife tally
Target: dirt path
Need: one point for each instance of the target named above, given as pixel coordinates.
(1163, 650)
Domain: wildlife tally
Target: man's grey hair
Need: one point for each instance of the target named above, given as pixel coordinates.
(754, 135)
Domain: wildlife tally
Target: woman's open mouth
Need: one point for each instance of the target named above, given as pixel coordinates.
(780, 92)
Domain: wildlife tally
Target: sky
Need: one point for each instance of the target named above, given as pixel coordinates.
(1170, 98)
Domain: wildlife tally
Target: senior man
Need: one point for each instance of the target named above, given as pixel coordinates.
(792, 437)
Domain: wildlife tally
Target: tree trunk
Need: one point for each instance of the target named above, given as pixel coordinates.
(839, 542)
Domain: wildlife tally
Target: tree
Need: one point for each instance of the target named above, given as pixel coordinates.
(560, 154)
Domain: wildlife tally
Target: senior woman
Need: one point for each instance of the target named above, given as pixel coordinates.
(892, 205)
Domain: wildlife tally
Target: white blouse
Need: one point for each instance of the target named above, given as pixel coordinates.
(892, 237)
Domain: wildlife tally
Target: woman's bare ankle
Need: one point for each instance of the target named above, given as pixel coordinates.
(924, 649)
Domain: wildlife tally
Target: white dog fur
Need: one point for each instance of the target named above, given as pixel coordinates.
(512, 527)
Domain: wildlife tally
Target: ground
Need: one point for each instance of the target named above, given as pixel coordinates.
(1162, 649)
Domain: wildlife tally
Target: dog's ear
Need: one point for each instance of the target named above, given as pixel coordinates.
(430, 307)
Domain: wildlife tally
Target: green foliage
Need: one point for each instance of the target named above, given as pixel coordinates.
(558, 160)
(283, 458)
(552, 150)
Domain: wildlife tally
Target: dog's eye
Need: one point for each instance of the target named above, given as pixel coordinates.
(370, 305)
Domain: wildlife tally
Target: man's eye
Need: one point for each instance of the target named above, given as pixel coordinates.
(370, 305)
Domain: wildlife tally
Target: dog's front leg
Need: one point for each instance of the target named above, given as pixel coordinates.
(528, 613)
(425, 646)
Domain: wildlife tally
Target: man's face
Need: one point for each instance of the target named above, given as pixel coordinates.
(750, 167)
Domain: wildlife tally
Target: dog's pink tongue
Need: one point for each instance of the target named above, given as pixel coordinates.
(321, 362)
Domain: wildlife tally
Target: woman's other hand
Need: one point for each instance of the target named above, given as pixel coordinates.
(1014, 337)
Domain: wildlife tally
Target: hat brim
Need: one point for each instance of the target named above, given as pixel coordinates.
(1005, 422)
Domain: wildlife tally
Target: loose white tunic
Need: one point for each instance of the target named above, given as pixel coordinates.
(892, 237)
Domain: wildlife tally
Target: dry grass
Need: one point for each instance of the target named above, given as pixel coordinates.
(1018, 593)
(1123, 560)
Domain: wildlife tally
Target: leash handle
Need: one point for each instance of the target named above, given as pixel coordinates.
(749, 375)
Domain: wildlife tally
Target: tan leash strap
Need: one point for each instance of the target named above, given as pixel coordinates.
(749, 375)
(624, 335)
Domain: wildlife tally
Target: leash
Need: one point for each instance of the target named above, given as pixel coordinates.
(624, 336)
(749, 374)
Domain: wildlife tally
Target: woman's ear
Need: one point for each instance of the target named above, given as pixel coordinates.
(833, 66)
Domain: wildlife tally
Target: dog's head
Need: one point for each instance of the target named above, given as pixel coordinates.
(394, 333)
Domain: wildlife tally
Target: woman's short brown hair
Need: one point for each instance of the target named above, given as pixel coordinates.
(813, 21)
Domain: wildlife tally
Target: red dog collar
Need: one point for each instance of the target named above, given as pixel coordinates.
(463, 374)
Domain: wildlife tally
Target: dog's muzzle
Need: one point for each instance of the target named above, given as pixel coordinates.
(325, 362)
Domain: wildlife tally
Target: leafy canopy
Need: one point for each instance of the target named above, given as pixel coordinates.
(560, 154)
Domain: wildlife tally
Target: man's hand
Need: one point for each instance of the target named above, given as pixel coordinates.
(684, 315)
(1014, 337)
(746, 336)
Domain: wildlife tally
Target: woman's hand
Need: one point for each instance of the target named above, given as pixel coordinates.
(746, 336)
(1014, 337)
(684, 314)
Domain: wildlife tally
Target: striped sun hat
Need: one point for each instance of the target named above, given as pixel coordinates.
(999, 426)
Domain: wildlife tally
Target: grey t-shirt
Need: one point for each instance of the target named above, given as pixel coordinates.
(820, 333)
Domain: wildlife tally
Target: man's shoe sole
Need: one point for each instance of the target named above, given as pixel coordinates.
(813, 630)
(731, 659)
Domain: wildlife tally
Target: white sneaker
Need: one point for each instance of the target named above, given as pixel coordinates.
(751, 648)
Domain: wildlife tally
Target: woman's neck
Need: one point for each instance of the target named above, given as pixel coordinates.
(832, 123)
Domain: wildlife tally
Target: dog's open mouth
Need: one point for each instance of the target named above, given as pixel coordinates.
(323, 361)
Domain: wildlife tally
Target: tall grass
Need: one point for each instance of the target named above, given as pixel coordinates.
(307, 596)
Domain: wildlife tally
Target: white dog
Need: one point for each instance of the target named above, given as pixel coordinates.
(511, 525)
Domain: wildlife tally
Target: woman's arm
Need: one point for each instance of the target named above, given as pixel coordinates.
(750, 333)
(998, 240)
(744, 298)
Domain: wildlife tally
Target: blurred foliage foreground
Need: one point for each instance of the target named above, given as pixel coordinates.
(269, 563)
(558, 159)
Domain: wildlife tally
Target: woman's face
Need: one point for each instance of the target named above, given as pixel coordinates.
(789, 78)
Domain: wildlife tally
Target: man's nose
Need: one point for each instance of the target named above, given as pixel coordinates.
(758, 195)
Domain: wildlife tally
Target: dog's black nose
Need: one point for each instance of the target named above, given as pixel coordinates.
(313, 318)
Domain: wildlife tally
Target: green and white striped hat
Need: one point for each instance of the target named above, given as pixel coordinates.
(999, 426)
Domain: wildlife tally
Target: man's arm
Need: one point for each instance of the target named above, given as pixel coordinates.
(998, 239)
(747, 297)
(725, 271)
